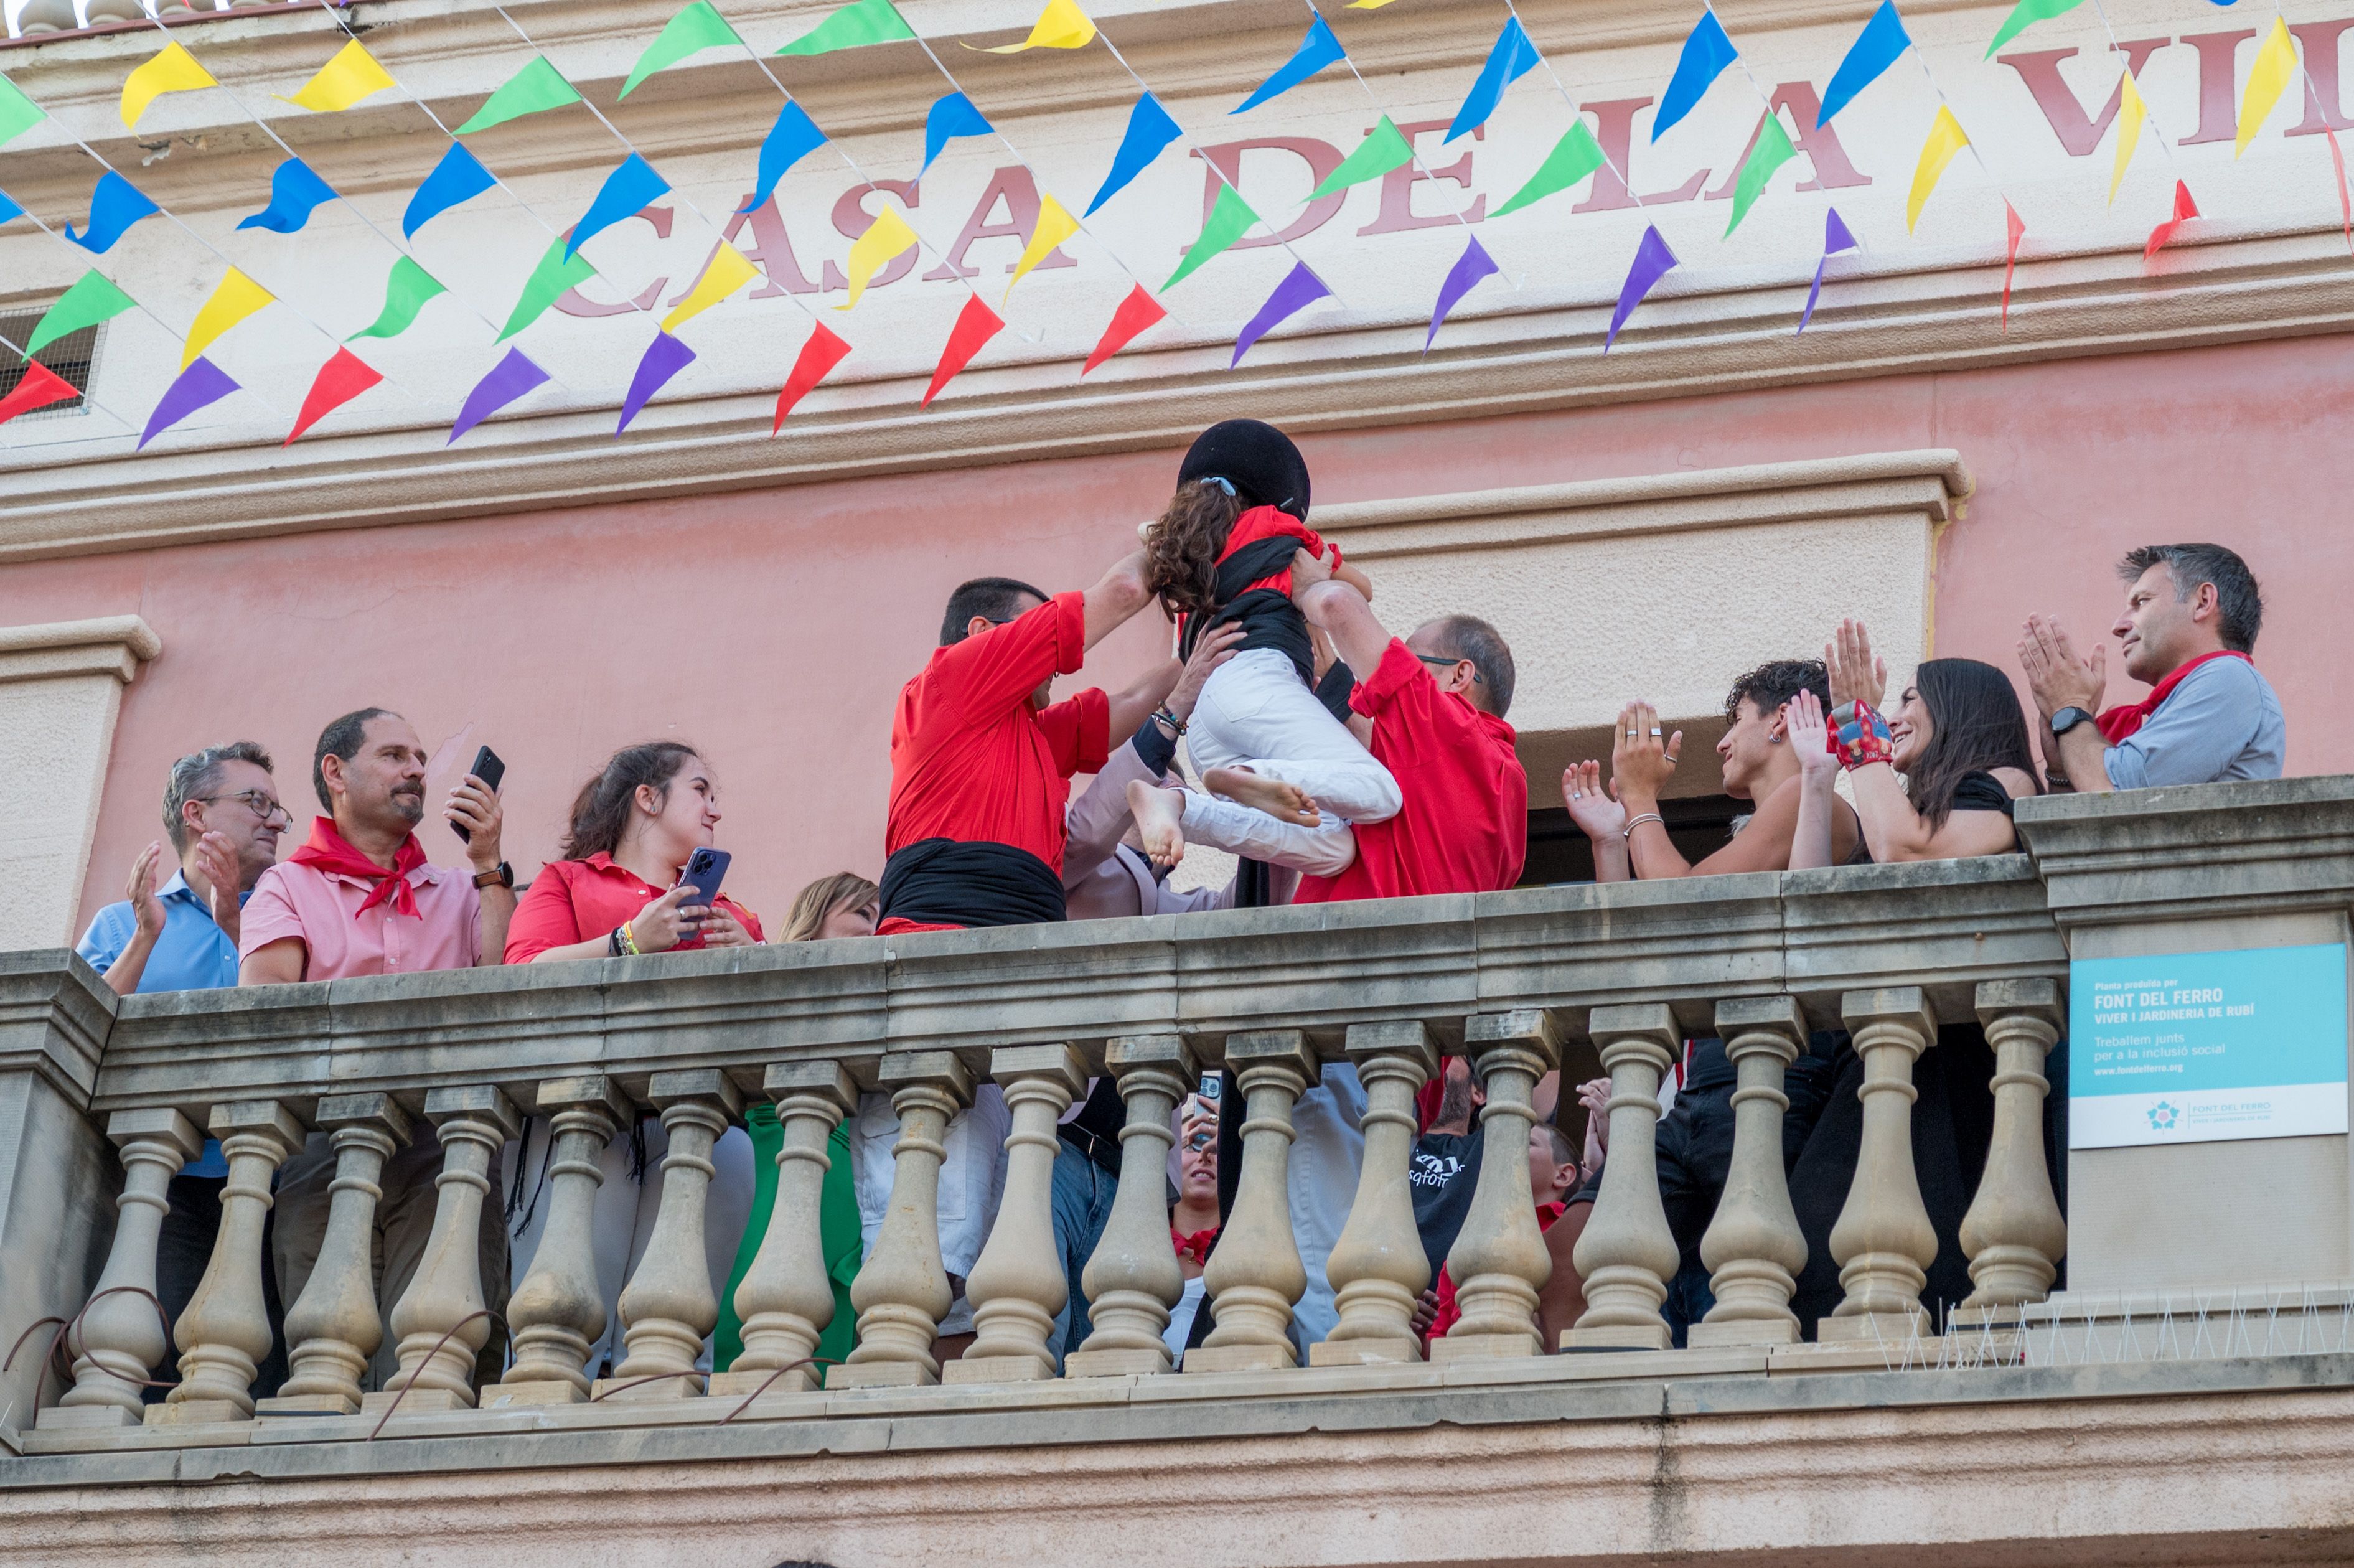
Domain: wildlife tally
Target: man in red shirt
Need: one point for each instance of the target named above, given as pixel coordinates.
(980, 764)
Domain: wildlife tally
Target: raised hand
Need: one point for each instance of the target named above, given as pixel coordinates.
(147, 910)
(1641, 763)
(217, 858)
(475, 807)
(1810, 735)
(1858, 675)
(2055, 674)
(1596, 812)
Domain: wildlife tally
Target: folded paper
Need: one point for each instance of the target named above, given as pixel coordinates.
(1470, 269)
(1835, 239)
(172, 70)
(556, 273)
(726, 272)
(793, 137)
(975, 325)
(458, 177)
(692, 31)
(885, 239)
(1653, 260)
(92, 298)
(295, 192)
(1574, 156)
(818, 357)
(1945, 139)
(1054, 224)
(115, 205)
(344, 378)
(1149, 131)
(1875, 48)
(233, 299)
(1061, 25)
(2268, 78)
(353, 75)
(663, 358)
(1512, 57)
(1230, 217)
(1317, 50)
(1300, 289)
(511, 378)
(1706, 52)
(199, 386)
(1384, 148)
(405, 293)
(1137, 313)
(626, 189)
(853, 26)
(537, 87)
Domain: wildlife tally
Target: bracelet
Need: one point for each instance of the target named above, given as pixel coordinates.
(1629, 832)
(1176, 725)
(625, 942)
(613, 943)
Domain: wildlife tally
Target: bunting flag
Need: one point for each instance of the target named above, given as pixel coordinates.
(2185, 210)
(172, 70)
(1061, 25)
(18, 114)
(1317, 50)
(1705, 55)
(726, 272)
(1652, 261)
(8, 208)
(853, 26)
(1574, 156)
(2131, 112)
(1473, 266)
(295, 192)
(1136, 313)
(1149, 131)
(664, 357)
(510, 379)
(2268, 76)
(1945, 139)
(692, 31)
(342, 378)
(885, 239)
(458, 177)
(1054, 224)
(975, 325)
(1300, 289)
(405, 293)
(2016, 227)
(2345, 197)
(1384, 148)
(951, 116)
(1512, 57)
(1771, 150)
(819, 356)
(539, 86)
(233, 299)
(353, 75)
(199, 386)
(625, 190)
(115, 205)
(1836, 238)
(1229, 220)
(556, 273)
(793, 137)
(1875, 48)
(2025, 15)
(91, 299)
(40, 388)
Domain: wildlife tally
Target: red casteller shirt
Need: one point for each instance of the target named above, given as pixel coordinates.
(1465, 824)
(1449, 1311)
(579, 900)
(1265, 523)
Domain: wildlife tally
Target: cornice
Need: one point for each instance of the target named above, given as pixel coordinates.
(110, 645)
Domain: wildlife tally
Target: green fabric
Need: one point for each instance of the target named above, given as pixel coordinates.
(548, 281)
(1574, 156)
(1772, 150)
(1383, 149)
(90, 300)
(18, 114)
(537, 86)
(838, 1232)
(696, 29)
(2025, 15)
(405, 293)
(1226, 223)
(853, 26)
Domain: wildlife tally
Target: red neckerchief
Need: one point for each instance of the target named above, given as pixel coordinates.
(2123, 720)
(328, 849)
(1195, 1247)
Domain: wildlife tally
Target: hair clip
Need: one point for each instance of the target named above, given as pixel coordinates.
(1225, 484)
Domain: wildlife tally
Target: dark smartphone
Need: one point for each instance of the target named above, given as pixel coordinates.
(705, 868)
(490, 769)
(1210, 1086)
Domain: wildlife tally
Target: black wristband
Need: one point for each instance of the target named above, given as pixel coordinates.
(1156, 749)
(613, 942)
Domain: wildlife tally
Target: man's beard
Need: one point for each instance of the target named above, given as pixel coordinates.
(409, 809)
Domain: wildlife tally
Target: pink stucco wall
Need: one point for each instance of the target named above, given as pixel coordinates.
(775, 629)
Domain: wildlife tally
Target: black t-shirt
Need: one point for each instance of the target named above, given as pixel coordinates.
(1445, 1171)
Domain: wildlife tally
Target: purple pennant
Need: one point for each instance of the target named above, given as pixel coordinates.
(1652, 260)
(202, 384)
(512, 377)
(1300, 289)
(664, 357)
(1474, 265)
(1836, 238)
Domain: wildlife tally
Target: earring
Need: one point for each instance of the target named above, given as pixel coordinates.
(1772, 740)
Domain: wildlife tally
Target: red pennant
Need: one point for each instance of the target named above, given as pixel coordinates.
(2018, 227)
(2345, 202)
(976, 324)
(340, 380)
(40, 388)
(2185, 210)
(819, 356)
(1136, 313)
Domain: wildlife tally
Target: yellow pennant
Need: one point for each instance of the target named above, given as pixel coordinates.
(888, 237)
(1055, 225)
(2131, 112)
(342, 81)
(1061, 25)
(1367, 4)
(237, 298)
(1945, 139)
(726, 272)
(2267, 79)
(174, 71)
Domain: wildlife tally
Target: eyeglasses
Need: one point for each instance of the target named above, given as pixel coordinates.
(1449, 664)
(259, 804)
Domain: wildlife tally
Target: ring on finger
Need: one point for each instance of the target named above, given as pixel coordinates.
(1654, 732)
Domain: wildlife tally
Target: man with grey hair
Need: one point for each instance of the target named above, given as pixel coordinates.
(2192, 612)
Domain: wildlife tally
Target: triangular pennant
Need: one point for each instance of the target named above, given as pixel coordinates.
(18, 114)
(2131, 112)
(1149, 131)
(1771, 151)
(665, 358)
(1384, 148)
(1061, 25)
(509, 379)
(554, 274)
(975, 325)
(40, 388)
(199, 386)
(1473, 266)
(233, 299)
(1136, 313)
(114, 205)
(1706, 52)
(1317, 50)
(2025, 15)
(2345, 194)
(342, 378)
(1836, 238)
(723, 274)
(1574, 156)
(2185, 210)
(1653, 260)
(951, 116)
(818, 357)
(2016, 231)
(1300, 289)
(1229, 218)
(1945, 139)
(458, 177)
(537, 87)
(295, 192)
(92, 298)
(1512, 57)
(885, 239)
(405, 293)
(1054, 224)
(2268, 76)
(8, 208)
(853, 26)
(693, 30)
(793, 137)
(1875, 48)
(353, 75)
(172, 70)
(626, 190)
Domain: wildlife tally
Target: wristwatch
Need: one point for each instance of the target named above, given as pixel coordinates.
(2068, 718)
(503, 874)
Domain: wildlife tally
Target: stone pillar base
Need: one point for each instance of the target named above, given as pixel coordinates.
(1621, 1338)
(1365, 1352)
(309, 1404)
(881, 1374)
(1742, 1331)
(1239, 1358)
(997, 1369)
(539, 1391)
(1115, 1363)
(195, 1412)
(744, 1385)
(1895, 1327)
(84, 1417)
(671, 1386)
(1482, 1347)
(419, 1401)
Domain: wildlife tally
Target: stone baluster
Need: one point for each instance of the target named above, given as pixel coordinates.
(1132, 1279)
(668, 1305)
(2014, 1232)
(558, 1314)
(1754, 1248)
(786, 1298)
(225, 1332)
(1882, 1241)
(1255, 1274)
(901, 1292)
(1017, 1286)
(333, 1327)
(435, 1317)
(47, 17)
(1627, 1254)
(1378, 1268)
(100, 11)
(121, 1337)
(1499, 1261)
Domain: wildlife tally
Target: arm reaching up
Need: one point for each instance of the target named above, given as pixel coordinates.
(1810, 841)
(1119, 595)
(1339, 611)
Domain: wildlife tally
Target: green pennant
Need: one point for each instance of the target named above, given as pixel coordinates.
(696, 28)
(90, 300)
(405, 293)
(1226, 223)
(1383, 150)
(2025, 15)
(548, 280)
(1772, 151)
(537, 86)
(18, 114)
(1574, 156)
(853, 26)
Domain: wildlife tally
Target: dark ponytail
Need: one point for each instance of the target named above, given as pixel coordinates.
(1183, 544)
(601, 811)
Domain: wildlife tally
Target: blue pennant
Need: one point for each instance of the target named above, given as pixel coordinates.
(1706, 53)
(1149, 131)
(793, 137)
(1512, 57)
(1317, 50)
(951, 116)
(294, 191)
(625, 191)
(1874, 50)
(114, 206)
(458, 177)
(9, 209)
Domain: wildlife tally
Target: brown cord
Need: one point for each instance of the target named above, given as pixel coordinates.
(658, 1377)
(772, 1377)
(403, 1391)
(66, 1326)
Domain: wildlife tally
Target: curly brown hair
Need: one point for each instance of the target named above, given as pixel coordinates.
(1183, 544)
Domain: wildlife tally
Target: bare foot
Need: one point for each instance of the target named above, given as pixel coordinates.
(1286, 802)
(1160, 820)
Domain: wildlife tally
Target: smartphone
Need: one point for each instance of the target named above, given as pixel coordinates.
(705, 868)
(490, 769)
(1210, 1086)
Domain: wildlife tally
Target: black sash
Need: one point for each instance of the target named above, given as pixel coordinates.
(1269, 618)
(941, 881)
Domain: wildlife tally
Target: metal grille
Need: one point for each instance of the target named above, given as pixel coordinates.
(71, 358)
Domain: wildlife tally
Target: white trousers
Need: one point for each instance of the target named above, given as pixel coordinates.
(1255, 713)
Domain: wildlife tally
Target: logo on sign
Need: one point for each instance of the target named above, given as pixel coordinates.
(2164, 1118)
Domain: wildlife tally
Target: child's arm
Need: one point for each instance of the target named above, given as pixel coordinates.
(1355, 579)
(1810, 841)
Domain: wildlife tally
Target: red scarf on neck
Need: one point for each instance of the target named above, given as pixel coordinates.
(328, 849)
(1195, 1247)
(2119, 722)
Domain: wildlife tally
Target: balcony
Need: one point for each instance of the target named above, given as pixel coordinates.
(2202, 1335)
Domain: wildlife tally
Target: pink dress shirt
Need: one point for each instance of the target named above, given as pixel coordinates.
(321, 909)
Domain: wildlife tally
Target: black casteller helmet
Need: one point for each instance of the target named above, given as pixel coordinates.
(1256, 459)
